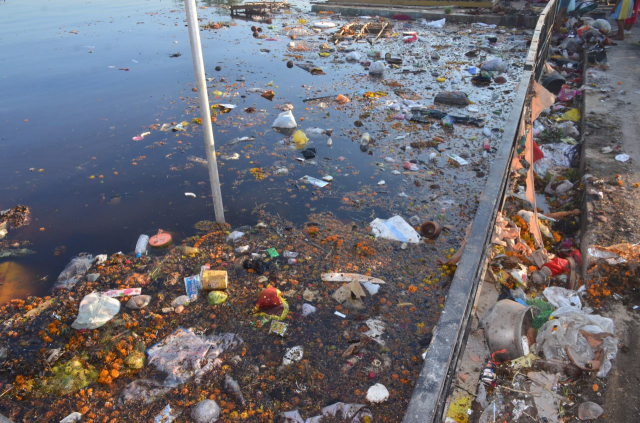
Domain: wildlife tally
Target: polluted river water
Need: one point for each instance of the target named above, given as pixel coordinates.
(87, 96)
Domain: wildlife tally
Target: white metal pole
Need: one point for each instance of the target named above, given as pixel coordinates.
(203, 97)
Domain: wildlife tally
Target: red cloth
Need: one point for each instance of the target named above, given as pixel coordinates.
(558, 266)
(537, 153)
(269, 298)
(634, 17)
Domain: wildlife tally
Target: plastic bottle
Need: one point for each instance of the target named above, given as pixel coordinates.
(290, 254)
(141, 245)
(365, 139)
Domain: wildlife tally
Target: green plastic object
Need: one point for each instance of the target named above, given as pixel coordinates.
(273, 252)
(216, 297)
(545, 312)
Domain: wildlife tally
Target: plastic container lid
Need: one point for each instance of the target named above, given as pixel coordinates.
(162, 239)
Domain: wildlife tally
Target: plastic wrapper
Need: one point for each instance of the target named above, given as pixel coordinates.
(183, 355)
(71, 274)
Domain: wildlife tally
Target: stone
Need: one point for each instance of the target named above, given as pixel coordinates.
(206, 411)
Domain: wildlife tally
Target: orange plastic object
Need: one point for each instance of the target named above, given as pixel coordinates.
(162, 239)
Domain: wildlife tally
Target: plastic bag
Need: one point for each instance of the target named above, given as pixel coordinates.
(300, 138)
(354, 413)
(572, 115)
(354, 56)
(72, 273)
(560, 297)
(285, 120)
(435, 24)
(602, 25)
(493, 65)
(95, 310)
(376, 68)
(572, 6)
(565, 331)
(206, 411)
(396, 229)
(184, 354)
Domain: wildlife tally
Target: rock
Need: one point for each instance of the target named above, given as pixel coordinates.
(206, 411)
(589, 411)
(378, 393)
(138, 302)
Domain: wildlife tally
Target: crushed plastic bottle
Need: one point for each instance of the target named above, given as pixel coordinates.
(447, 121)
(141, 245)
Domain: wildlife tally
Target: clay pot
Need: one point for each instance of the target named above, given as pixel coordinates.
(430, 229)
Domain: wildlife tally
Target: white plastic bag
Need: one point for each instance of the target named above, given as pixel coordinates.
(396, 229)
(493, 65)
(436, 24)
(285, 120)
(376, 68)
(560, 297)
(95, 310)
(354, 56)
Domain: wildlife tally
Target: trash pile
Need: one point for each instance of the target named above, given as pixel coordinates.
(246, 324)
(550, 349)
(14, 218)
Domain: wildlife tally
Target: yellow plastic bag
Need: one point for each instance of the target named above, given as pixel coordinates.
(573, 115)
(300, 138)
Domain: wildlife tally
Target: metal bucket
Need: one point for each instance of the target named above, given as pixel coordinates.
(505, 329)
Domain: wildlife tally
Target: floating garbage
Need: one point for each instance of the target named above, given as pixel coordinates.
(378, 393)
(95, 310)
(395, 228)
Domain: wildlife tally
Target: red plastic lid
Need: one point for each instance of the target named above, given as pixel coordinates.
(160, 240)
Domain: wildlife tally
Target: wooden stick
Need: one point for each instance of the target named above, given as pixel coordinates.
(381, 31)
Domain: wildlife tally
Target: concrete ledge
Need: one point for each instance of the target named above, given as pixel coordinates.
(512, 21)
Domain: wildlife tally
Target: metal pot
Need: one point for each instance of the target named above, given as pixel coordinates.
(505, 329)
